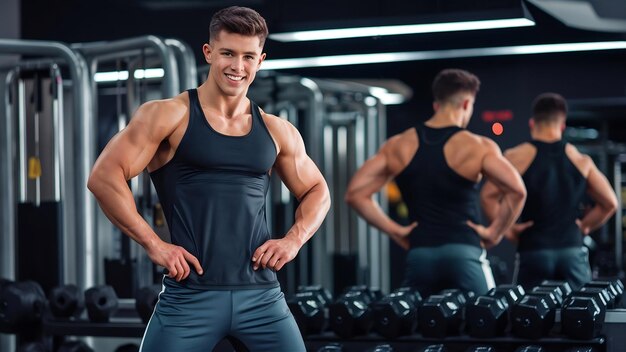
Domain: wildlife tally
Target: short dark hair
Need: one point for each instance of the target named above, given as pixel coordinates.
(451, 81)
(238, 20)
(548, 107)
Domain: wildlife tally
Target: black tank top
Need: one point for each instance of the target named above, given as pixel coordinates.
(213, 196)
(555, 190)
(438, 198)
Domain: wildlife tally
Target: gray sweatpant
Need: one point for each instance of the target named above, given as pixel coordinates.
(570, 264)
(462, 266)
(191, 320)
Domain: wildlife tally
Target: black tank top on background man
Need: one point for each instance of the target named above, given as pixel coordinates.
(213, 197)
(438, 198)
(556, 190)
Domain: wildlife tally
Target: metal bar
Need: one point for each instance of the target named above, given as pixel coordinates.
(84, 208)
(116, 49)
(187, 71)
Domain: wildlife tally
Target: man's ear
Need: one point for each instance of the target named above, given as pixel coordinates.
(207, 50)
(466, 104)
(531, 123)
(436, 106)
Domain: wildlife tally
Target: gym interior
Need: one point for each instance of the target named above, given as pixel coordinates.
(73, 73)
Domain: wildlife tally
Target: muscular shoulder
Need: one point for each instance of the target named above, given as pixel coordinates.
(164, 114)
(521, 156)
(281, 130)
(474, 143)
(583, 162)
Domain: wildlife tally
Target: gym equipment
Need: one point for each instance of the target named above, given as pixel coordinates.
(582, 317)
(381, 348)
(75, 346)
(350, 315)
(512, 293)
(533, 316)
(309, 307)
(487, 316)
(480, 349)
(66, 301)
(565, 287)
(439, 316)
(530, 349)
(396, 314)
(21, 306)
(101, 302)
(332, 347)
(146, 299)
(435, 348)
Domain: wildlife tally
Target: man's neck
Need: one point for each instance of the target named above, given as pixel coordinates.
(445, 118)
(546, 133)
(212, 98)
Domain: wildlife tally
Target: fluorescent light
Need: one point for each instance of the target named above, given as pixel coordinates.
(358, 59)
(386, 97)
(326, 34)
(123, 75)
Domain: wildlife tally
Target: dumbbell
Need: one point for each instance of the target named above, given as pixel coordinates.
(101, 302)
(146, 299)
(331, 347)
(582, 349)
(488, 315)
(350, 315)
(396, 314)
(21, 306)
(381, 348)
(613, 288)
(66, 301)
(435, 348)
(439, 316)
(566, 288)
(582, 317)
(480, 349)
(310, 308)
(533, 316)
(529, 349)
(555, 292)
(75, 346)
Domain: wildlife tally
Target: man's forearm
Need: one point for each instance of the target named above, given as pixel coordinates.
(117, 202)
(310, 214)
(509, 209)
(595, 218)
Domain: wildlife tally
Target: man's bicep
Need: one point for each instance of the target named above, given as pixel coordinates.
(133, 147)
(371, 176)
(294, 167)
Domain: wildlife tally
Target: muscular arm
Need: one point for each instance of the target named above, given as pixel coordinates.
(599, 189)
(125, 156)
(512, 194)
(300, 174)
(369, 180)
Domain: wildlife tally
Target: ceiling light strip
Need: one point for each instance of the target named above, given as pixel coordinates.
(359, 32)
(359, 59)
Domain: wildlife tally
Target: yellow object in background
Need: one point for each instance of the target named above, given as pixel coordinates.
(34, 168)
(393, 193)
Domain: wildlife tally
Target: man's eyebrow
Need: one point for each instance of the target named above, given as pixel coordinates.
(246, 52)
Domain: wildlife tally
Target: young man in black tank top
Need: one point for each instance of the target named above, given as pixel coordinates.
(210, 152)
(557, 177)
(437, 166)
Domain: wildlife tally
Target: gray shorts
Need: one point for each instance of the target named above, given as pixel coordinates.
(462, 266)
(570, 264)
(193, 320)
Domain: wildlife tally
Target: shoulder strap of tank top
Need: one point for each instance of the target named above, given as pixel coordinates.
(195, 109)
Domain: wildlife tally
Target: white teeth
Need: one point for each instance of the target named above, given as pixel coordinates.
(235, 78)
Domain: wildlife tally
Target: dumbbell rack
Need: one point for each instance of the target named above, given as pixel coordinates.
(613, 339)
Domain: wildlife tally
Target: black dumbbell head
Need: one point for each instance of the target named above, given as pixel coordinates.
(101, 303)
(66, 301)
(146, 299)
